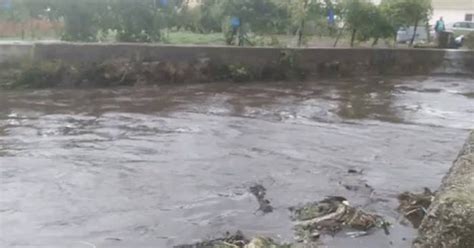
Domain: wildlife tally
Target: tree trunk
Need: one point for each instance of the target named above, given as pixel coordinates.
(428, 32)
(339, 35)
(414, 33)
(376, 40)
(395, 40)
(300, 33)
(302, 24)
(230, 40)
(241, 33)
(354, 31)
(241, 36)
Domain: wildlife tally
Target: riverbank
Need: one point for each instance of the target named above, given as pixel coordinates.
(450, 219)
(79, 65)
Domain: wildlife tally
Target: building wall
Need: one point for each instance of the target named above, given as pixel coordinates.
(452, 10)
(450, 16)
(453, 4)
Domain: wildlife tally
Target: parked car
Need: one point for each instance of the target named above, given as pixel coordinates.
(461, 28)
(405, 34)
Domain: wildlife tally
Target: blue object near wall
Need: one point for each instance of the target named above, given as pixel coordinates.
(235, 22)
(6, 4)
(164, 3)
(331, 17)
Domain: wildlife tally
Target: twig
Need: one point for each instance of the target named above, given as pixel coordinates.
(88, 244)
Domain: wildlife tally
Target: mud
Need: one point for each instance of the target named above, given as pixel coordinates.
(170, 165)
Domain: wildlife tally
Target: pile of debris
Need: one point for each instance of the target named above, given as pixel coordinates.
(264, 204)
(332, 215)
(414, 207)
(237, 240)
(328, 216)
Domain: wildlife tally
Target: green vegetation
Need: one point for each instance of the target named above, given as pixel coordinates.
(238, 22)
(28, 74)
(407, 13)
(41, 75)
(187, 37)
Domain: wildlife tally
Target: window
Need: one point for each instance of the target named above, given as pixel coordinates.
(456, 25)
(468, 17)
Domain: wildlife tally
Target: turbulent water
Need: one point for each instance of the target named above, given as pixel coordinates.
(157, 167)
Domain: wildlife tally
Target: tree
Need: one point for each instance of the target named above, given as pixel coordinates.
(212, 15)
(141, 20)
(357, 16)
(300, 11)
(13, 11)
(407, 13)
(132, 21)
(80, 18)
(254, 16)
(378, 26)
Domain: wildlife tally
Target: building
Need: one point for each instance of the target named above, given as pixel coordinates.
(453, 10)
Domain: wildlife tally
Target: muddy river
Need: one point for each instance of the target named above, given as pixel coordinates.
(162, 166)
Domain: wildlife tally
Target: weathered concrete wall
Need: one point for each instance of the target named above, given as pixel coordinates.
(450, 219)
(10, 53)
(76, 64)
(314, 62)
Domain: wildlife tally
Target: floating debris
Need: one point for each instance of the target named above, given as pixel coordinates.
(229, 240)
(364, 187)
(414, 207)
(357, 234)
(259, 192)
(330, 216)
(354, 171)
(237, 240)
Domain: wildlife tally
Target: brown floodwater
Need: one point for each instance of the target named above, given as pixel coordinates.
(162, 166)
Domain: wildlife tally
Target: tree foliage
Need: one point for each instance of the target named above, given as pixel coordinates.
(300, 12)
(377, 25)
(357, 15)
(407, 13)
(211, 15)
(257, 15)
(145, 20)
(132, 21)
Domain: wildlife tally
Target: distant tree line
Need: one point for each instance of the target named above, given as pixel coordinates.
(145, 20)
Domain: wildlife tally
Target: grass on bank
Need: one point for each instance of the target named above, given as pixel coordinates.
(217, 39)
(189, 38)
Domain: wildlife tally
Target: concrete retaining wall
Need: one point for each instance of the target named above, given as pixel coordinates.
(10, 53)
(129, 64)
(312, 62)
(450, 219)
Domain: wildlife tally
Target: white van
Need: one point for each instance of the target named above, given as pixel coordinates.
(404, 34)
(461, 28)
